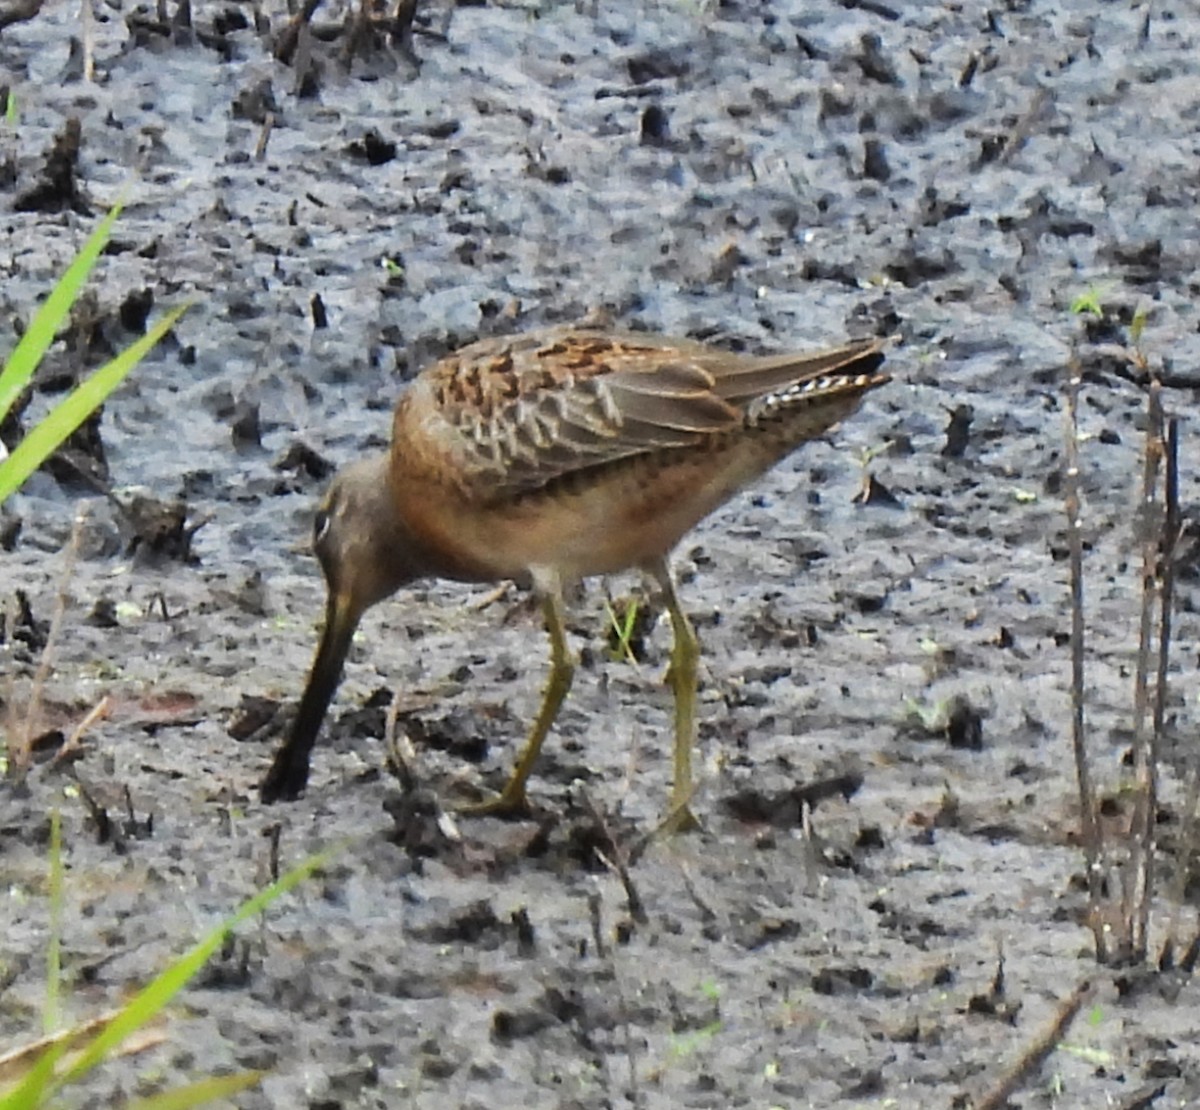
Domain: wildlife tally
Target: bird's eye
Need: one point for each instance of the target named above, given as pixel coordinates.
(320, 526)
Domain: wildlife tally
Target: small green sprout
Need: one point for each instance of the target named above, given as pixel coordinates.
(1088, 302)
(623, 626)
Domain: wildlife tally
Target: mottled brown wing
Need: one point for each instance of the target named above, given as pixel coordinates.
(511, 417)
(503, 417)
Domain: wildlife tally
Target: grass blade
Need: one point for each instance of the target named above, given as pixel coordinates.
(200, 1092)
(35, 1084)
(75, 408)
(54, 945)
(48, 319)
(156, 994)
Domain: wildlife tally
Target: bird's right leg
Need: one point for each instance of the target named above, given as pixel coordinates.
(512, 800)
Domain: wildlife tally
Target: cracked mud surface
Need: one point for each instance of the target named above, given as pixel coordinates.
(762, 175)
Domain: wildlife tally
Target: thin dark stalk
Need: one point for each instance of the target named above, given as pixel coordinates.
(1037, 1051)
(1083, 775)
(285, 48)
(1184, 853)
(1186, 845)
(1170, 540)
(1139, 888)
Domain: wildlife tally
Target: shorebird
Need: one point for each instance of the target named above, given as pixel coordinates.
(549, 457)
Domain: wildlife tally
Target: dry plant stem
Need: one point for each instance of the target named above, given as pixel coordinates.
(401, 754)
(608, 953)
(1036, 1053)
(706, 911)
(616, 862)
(286, 46)
(8, 618)
(633, 1089)
(21, 753)
(488, 599)
(594, 917)
(264, 137)
(1083, 775)
(1139, 885)
(1170, 541)
(15, 1063)
(357, 27)
(1186, 845)
(273, 833)
(1184, 853)
(98, 712)
(302, 60)
(87, 34)
(812, 852)
(1023, 128)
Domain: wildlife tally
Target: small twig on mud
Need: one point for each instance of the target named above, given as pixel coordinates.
(273, 833)
(1023, 128)
(616, 862)
(1083, 775)
(264, 137)
(489, 598)
(88, 35)
(595, 906)
(1139, 885)
(17, 1062)
(401, 755)
(21, 751)
(706, 911)
(1036, 1052)
(98, 712)
(812, 850)
(404, 764)
(632, 1092)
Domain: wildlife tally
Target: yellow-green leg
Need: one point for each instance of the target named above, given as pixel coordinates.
(685, 660)
(512, 799)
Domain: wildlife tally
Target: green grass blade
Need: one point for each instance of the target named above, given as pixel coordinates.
(152, 998)
(34, 1086)
(200, 1092)
(54, 947)
(49, 318)
(75, 408)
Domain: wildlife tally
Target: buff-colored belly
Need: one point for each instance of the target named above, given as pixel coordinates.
(625, 515)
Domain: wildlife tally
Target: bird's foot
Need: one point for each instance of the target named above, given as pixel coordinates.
(679, 819)
(510, 803)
